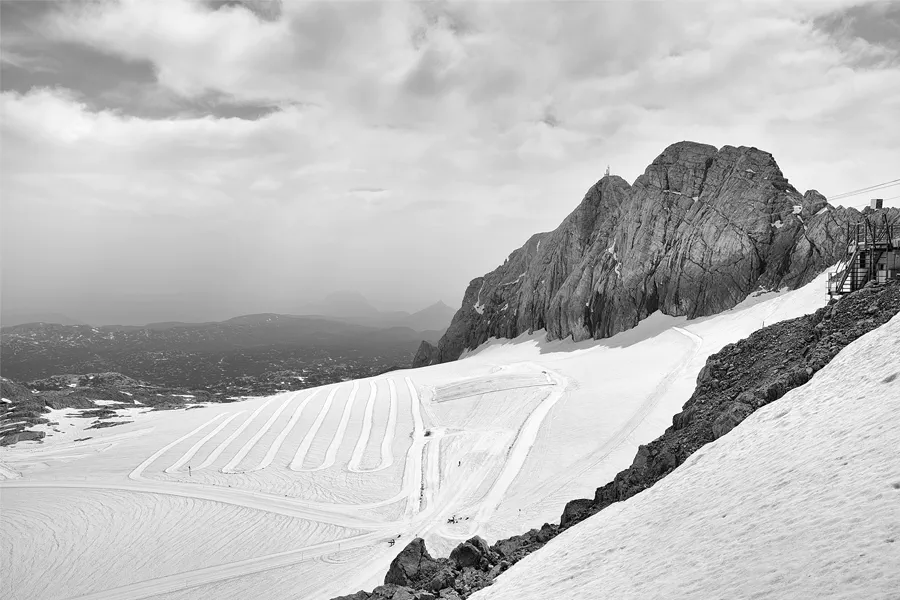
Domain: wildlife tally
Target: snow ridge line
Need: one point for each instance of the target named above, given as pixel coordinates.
(221, 447)
(359, 450)
(387, 443)
(332, 451)
(136, 474)
(300, 456)
(276, 445)
(246, 448)
(193, 449)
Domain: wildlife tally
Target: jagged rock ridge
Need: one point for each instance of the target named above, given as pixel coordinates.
(694, 235)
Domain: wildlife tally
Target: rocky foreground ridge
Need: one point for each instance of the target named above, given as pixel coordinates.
(735, 382)
(694, 235)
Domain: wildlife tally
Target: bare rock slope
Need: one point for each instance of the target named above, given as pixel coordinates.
(694, 235)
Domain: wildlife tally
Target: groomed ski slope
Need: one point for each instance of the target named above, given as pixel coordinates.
(802, 500)
(500, 440)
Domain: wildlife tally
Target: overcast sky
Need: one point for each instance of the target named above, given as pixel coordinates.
(175, 160)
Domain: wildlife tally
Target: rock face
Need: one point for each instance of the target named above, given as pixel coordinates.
(412, 565)
(694, 235)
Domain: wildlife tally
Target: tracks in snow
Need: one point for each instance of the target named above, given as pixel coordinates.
(300, 456)
(643, 411)
(276, 445)
(246, 448)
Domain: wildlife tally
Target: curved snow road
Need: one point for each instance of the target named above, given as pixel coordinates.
(300, 456)
(221, 447)
(276, 445)
(193, 449)
(363, 440)
(246, 448)
(331, 453)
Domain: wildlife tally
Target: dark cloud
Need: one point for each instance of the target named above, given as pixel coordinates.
(875, 23)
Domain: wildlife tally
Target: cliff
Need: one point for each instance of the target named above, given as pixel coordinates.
(694, 235)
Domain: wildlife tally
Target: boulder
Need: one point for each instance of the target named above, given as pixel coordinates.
(471, 553)
(576, 511)
(412, 565)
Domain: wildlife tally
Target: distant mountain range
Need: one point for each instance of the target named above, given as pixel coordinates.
(345, 306)
(353, 307)
(13, 319)
(270, 348)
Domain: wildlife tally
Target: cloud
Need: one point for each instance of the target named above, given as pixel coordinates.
(282, 150)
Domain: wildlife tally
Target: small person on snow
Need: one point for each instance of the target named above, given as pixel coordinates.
(189, 471)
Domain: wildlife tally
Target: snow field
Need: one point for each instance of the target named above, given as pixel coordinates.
(152, 536)
(801, 501)
(514, 430)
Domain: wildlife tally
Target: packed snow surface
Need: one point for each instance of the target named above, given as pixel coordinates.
(802, 500)
(298, 494)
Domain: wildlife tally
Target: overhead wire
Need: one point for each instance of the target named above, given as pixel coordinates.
(865, 190)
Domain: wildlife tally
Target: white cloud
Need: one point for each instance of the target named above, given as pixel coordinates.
(442, 105)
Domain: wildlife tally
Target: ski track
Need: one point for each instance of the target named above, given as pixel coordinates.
(300, 456)
(646, 407)
(519, 451)
(246, 448)
(191, 579)
(193, 449)
(6, 472)
(359, 450)
(276, 445)
(331, 453)
(414, 461)
(387, 444)
(221, 447)
(137, 473)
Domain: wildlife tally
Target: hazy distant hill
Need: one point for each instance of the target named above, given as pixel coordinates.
(436, 316)
(12, 319)
(353, 307)
(314, 350)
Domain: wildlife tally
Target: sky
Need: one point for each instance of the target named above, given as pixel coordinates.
(188, 160)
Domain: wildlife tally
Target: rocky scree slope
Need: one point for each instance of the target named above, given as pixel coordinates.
(27, 405)
(735, 382)
(694, 235)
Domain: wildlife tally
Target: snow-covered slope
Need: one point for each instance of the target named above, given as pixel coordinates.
(802, 500)
(299, 493)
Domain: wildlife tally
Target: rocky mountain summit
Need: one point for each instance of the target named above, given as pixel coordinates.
(694, 235)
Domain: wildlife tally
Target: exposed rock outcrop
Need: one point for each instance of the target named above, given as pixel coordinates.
(412, 566)
(694, 235)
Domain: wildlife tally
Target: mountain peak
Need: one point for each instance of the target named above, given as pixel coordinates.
(697, 232)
